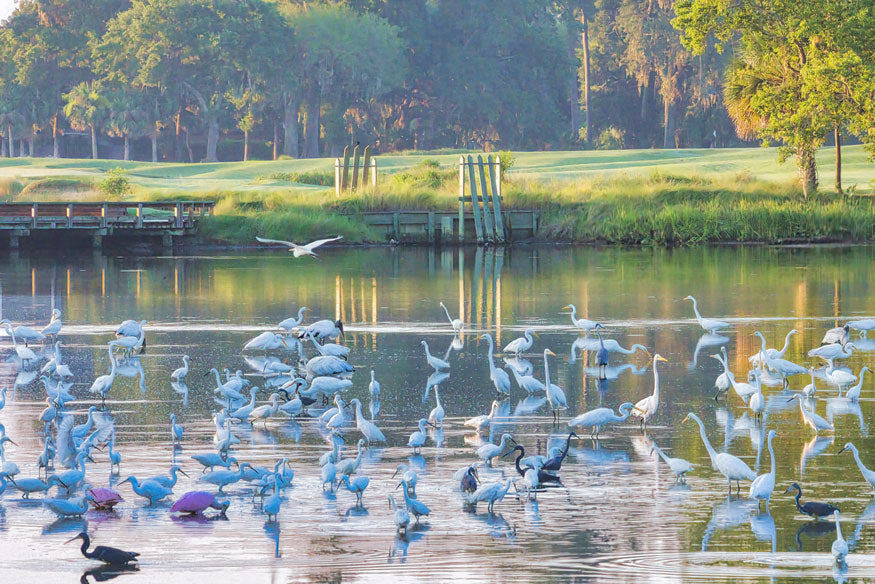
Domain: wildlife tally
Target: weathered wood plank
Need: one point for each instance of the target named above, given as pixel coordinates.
(475, 202)
(495, 184)
(484, 195)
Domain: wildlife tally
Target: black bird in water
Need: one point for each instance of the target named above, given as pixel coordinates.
(107, 555)
(811, 508)
(469, 480)
(543, 476)
(555, 464)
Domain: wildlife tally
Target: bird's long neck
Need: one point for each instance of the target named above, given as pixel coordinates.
(449, 318)
(661, 454)
(798, 496)
(772, 454)
(655, 379)
(786, 343)
(517, 462)
(84, 549)
(437, 397)
(839, 530)
(546, 371)
(624, 415)
(112, 364)
(711, 452)
(860, 464)
(218, 378)
(573, 315)
(696, 309)
(427, 352)
(491, 348)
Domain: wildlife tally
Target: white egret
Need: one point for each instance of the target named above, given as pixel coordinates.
(853, 393)
(325, 365)
(25, 333)
(527, 382)
(169, 480)
(63, 508)
(710, 325)
(757, 401)
(521, 344)
(339, 419)
(243, 412)
(483, 421)
(323, 329)
(131, 342)
(490, 493)
(175, 431)
(210, 460)
(489, 450)
(417, 439)
(26, 486)
(348, 466)
(368, 429)
(583, 324)
(781, 366)
(839, 547)
(646, 407)
(414, 506)
(732, 467)
(115, 458)
(266, 341)
(271, 505)
(555, 395)
(74, 477)
(839, 377)
(266, 411)
(864, 326)
(810, 389)
(401, 516)
(223, 478)
(435, 362)
(761, 488)
(148, 489)
(301, 250)
(53, 329)
(834, 351)
(290, 323)
(374, 387)
(409, 476)
(322, 385)
(103, 384)
(456, 323)
(839, 334)
(742, 389)
(678, 466)
(80, 431)
(356, 485)
(436, 415)
(755, 359)
(869, 475)
(24, 354)
(332, 349)
(599, 417)
(339, 405)
(817, 423)
(498, 376)
(179, 374)
(329, 474)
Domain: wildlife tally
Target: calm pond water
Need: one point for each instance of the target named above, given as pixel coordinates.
(618, 516)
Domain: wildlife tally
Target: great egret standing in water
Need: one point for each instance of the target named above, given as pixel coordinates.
(555, 395)
(498, 376)
(761, 488)
(436, 362)
(521, 344)
(869, 475)
(599, 417)
(732, 467)
(583, 324)
(456, 323)
(678, 466)
(839, 546)
(817, 423)
(710, 325)
(646, 407)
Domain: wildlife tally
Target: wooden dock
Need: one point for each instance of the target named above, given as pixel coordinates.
(98, 220)
(443, 226)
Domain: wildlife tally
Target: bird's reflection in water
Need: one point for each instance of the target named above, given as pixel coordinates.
(374, 408)
(182, 389)
(292, 430)
(68, 525)
(416, 461)
(400, 546)
(529, 405)
(814, 529)
(437, 436)
(107, 572)
(356, 511)
(842, 406)
(812, 449)
(533, 514)
(763, 528)
(197, 519)
(496, 526)
(272, 531)
(706, 340)
(731, 513)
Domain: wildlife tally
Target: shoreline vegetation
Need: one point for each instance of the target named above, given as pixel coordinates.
(630, 197)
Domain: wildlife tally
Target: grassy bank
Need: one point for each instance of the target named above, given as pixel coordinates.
(634, 197)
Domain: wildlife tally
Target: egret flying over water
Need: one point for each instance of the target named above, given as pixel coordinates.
(710, 325)
(301, 250)
(732, 467)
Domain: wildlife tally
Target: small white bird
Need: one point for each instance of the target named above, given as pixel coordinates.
(456, 323)
(402, 517)
(417, 439)
(266, 411)
(301, 250)
(356, 485)
(53, 329)
(853, 393)
(489, 451)
(598, 417)
(864, 326)
(678, 466)
(761, 488)
(817, 423)
(490, 493)
(179, 374)
(436, 416)
(839, 546)
(710, 325)
(869, 475)
(482, 422)
(175, 431)
(291, 322)
(521, 344)
(583, 324)
(374, 388)
(436, 362)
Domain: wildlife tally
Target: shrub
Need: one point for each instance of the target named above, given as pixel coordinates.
(323, 178)
(507, 160)
(116, 183)
(611, 139)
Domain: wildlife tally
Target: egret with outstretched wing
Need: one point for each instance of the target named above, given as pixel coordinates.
(301, 250)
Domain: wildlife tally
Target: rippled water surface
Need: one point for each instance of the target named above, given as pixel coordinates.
(618, 515)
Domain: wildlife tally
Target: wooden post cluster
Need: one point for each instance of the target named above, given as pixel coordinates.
(368, 166)
(484, 179)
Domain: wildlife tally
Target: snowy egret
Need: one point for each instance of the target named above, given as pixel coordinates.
(732, 467)
(148, 489)
(131, 328)
(710, 325)
(301, 250)
(757, 401)
(243, 412)
(368, 429)
(25, 333)
(168, 481)
(521, 344)
(838, 335)
(223, 478)
(482, 421)
(72, 507)
(599, 417)
(402, 517)
(646, 408)
(527, 382)
(331, 349)
(834, 351)
(414, 506)
(107, 555)
(417, 439)
(864, 326)
(436, 363)
(79, 432)
(179, 374)
(408, 475)
(266, 411)
(26, 486)
(810, 389)
(374, 388)
(271, 505)
(742, 389)
(761, 488)
(839, 547)
(291, 322)
(175, 431)
(266, 341)
(328, 474)
(195, 502)
(103, 384)
(853, 393)
(53, 329)
(456, 323)
(817, 423)
(678, 466)
(555, 395)
(489, 450)
(869, 475)
(323, 329)
(348, 466)
(490, 493)
(436, 415)
(814, 509)
(839, 377)
(755, 359)
(356, 485)
(210, 460)
(24, 354)
(583, 324)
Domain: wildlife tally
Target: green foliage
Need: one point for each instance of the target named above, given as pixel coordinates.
(116, 184)
(323, 178)
(507, 160)
(611, 139)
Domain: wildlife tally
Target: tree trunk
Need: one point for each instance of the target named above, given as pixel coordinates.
(276, 137)
(668, 136)
(154, 138)
(212, 140)
(290, 128)
(93, 142)
(31, 141)
(11, 142)
(643, 102)
(127, 147)
(177, 143)
(245, 145)
(188, 147)
(586, 77)
(56, 150)
(838, 161)
(807, 170)
(311, 129)
(3, 151)
(21, 143)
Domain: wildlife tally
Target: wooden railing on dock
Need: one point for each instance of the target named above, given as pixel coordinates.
(484, 178)
(97, 215)
(344, 180)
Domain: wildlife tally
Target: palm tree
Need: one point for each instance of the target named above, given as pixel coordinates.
(127, 119)
(86, 109)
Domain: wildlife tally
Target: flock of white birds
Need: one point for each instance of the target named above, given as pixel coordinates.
(325, 377)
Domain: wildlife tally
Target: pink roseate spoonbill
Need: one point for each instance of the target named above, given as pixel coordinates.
(103, 498)
(195, 502)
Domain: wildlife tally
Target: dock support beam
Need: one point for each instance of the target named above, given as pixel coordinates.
(167, 241)
(13, 241)
(96, 241)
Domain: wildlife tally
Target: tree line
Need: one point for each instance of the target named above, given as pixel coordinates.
(231, 79)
